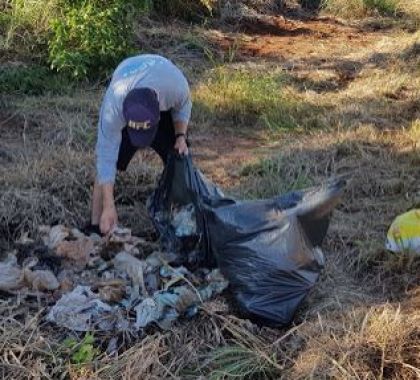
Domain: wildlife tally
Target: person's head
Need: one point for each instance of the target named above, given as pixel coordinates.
(141, 113)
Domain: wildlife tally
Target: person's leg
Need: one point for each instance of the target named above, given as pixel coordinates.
(165, 136)
(126, 152)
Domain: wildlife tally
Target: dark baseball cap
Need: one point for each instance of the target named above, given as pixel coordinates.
(141, 112)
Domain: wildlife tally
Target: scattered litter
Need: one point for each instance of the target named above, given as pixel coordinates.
(112, 348)
(184, 222)
(156, 259)
(41, 280)
(54, 235)
(79, 251)
(77, 234)
(111, 290)
(147, 312)
(267, 250)
(81, 310)
(105, 294)
(66, 284)
(11, 276)
(123, 235)
(134, 268)
(404, 233)
(167, 306)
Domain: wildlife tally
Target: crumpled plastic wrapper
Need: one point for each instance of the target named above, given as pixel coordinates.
(82, 310)
(166, 306)
(11, 276)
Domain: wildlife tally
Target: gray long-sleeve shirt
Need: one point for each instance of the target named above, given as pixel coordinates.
(152, 71)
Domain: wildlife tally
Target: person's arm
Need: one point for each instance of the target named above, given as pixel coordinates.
(181, 116)
(109, 216)
(107, 147)
(181, 137)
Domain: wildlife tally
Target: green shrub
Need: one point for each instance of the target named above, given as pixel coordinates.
(24, 26)
(32, 80)
(82, 38)
(92, 36)
(187, 9)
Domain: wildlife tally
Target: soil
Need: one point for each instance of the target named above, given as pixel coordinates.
(292, 39)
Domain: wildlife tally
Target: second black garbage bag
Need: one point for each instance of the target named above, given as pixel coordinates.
(268, 249)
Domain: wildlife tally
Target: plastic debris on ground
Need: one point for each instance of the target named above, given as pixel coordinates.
(106, 284)
(11, 276)
(81, 310)
(267, 251)
(404, 233)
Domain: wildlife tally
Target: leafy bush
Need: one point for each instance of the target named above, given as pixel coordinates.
(91, 36)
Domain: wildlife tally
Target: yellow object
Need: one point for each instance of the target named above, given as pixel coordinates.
(404, 233)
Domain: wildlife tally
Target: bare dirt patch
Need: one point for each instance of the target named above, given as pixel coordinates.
(291, 38)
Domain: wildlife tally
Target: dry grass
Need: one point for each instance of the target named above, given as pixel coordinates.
(370, 343)
(23, 28)
(410, 8)
(363, 8)
(360, 322)
(48, 168)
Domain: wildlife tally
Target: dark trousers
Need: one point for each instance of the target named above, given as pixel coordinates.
(162, 144)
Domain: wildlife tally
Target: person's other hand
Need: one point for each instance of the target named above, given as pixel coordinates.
(109, 219)
(181, 145)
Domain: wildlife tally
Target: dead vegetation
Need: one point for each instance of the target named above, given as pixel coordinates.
(362, 320)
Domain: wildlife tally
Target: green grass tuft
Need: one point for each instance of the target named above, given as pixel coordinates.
(273, 176)
(252, 99)
(239, 362)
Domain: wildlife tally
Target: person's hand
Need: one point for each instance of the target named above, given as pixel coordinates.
(181, 145)
(109, 219)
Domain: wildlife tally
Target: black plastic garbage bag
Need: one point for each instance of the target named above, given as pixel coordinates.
(268, 249)
(174, 207)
